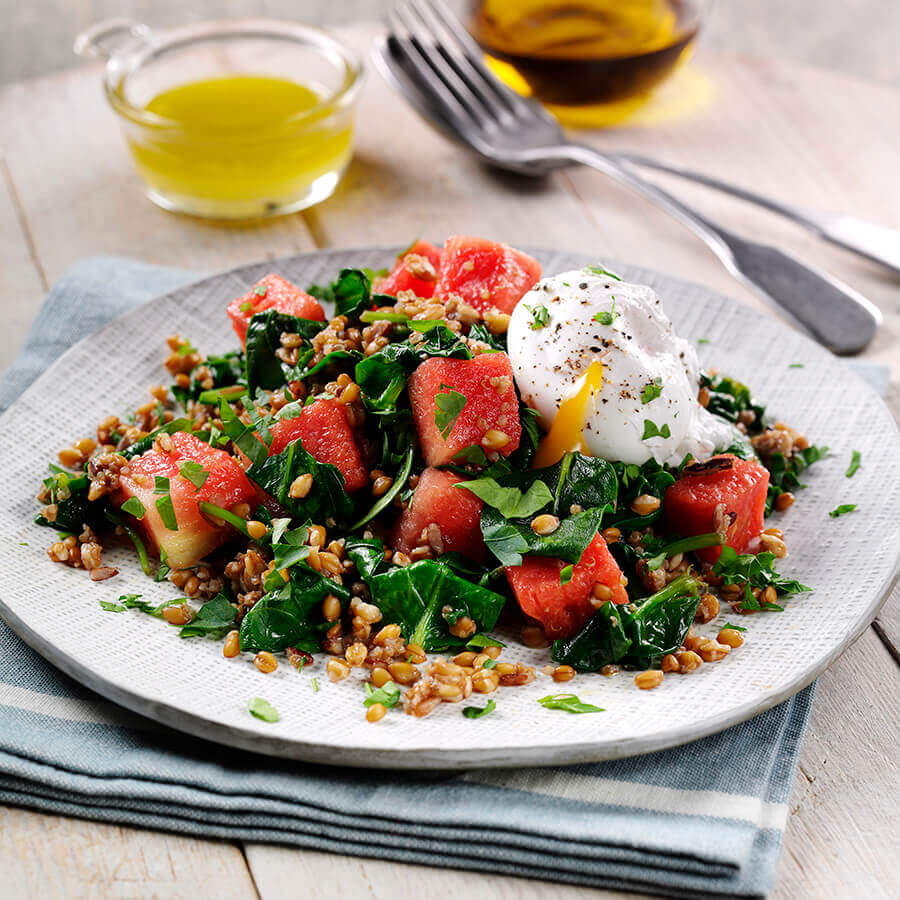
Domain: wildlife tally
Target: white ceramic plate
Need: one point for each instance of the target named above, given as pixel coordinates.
(142, 664)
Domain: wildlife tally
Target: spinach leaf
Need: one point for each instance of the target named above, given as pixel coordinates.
(213, 619)
(415, 597)
(388, 695)
(649, 478)
(382, 376)
(367, 554)
(658, 626)
(327, 497)
(352, 292)
(600, 642)
(479, 332)
(633, 635)
(292, 615)
(728, 398)
(263, 368)
(758, 570)
(575, 482)
(145, 443)
(290, 547)
(69, 493)
(387, 497)
(784, 473)
(510, 502)
(226, 370)
(568, 703)
(477, 712)
(262, 709)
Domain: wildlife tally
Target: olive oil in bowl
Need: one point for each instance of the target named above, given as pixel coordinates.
(241, 146)
(573, 54)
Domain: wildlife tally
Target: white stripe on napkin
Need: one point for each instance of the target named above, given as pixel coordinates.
(570, 785)
(96, 712)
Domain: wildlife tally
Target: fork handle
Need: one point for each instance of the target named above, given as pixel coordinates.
(835, 314)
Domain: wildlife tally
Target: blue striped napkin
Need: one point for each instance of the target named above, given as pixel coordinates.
(706, 818)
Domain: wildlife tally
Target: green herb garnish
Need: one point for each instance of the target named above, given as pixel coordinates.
(448, 407)
(482, 640)
(510, 502)
(733, 627)
(194, 472)
(489, 663)
(599, 270)
(568, 703)
(651, 391)
(652, 430)
(160, 485)
(134, 507)
(261, 290)
(606, 316)
(842, 510)
(565, 574)
(476, 712)
(315, 685)
(388, 695)
(855, 460)
(540, 317)
(795, 366)
(167, 512)
(262, 709)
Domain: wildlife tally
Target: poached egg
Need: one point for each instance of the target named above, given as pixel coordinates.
(599, 360)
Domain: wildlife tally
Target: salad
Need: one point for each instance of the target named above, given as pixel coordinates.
(464, 446)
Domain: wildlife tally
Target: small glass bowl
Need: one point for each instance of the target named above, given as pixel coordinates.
(224, 171)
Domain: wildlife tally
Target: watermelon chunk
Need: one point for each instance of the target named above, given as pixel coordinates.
(690, 504)
(327, 436)
(415, 270)
(456, 512)
(485, 274)
(491, 405)
(562, 609)
(225, 486)
(272, 292)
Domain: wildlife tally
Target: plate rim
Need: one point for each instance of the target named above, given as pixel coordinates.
(416, 757)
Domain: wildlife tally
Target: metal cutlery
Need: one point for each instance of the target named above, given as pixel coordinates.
(434, 62)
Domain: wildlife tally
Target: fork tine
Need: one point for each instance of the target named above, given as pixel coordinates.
(423, 40)
(461, 117)
(473, 55)
(448, 47)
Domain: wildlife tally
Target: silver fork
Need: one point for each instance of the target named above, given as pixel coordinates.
(434, 62)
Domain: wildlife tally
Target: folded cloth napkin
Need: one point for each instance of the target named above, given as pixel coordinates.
(707, 817)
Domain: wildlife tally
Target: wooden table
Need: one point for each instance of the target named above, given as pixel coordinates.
(67, 190)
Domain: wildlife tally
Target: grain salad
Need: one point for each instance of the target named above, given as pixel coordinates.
(463, 444)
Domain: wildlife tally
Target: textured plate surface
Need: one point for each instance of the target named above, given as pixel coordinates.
(141, 663)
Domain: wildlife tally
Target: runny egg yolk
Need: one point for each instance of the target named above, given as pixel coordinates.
(565, 433)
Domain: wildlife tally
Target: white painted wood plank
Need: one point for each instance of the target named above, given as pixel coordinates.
(326, 876)
(56, 857)
(21, 284)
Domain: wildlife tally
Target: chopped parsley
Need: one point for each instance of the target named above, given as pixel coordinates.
(315, 685)
(606, 316)
(510, 502)
(482, 640)
(540, 317)
(194, 472)
(262, 709)
(568, 703)
(448, 406)
(565, 574)
(489, 663)
(855, 460)
(261, 290)
(756, 570)
(599, 270)
(185, 349)
(652, 430)
(167, 512)
(246, 306)
(134, 507)
(751, 604)
(842, 510)
(795, 366)
(651, 391)
(476, 712)
(160, 485)
(703, 340)
(731, 627)
(388, 695)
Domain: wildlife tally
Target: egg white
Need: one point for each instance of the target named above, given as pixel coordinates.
(639, 348)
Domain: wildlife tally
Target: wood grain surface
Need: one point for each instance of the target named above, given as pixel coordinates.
(67, 190)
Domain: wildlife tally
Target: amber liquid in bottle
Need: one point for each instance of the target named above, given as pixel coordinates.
(584, 52)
